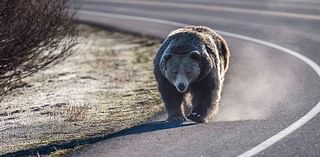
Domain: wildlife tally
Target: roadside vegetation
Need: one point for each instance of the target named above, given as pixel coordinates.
(34, 34)
(106, 86)
(62, 84)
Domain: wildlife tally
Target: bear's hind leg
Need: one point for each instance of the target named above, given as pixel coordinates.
(186, 103)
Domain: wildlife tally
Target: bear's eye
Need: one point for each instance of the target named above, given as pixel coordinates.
(175, 73)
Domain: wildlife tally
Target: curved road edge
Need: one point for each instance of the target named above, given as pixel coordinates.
(270, 141)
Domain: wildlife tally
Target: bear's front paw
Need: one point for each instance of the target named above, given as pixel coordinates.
(176, 119)
(196, 117)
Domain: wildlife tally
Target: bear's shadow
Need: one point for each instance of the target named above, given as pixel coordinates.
(151, 126)
(143, 128)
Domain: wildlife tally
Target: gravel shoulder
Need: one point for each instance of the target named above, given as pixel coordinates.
(106, 86)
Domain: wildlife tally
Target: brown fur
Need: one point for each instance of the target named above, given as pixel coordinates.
(206, 89)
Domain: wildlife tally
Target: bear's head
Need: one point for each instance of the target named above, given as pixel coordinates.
(187, 56)
(181, 69)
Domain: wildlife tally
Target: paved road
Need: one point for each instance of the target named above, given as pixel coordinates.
(266, 90)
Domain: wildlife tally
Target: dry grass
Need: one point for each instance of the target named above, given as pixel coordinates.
(105, 87)
(60, 153)
(75, 113)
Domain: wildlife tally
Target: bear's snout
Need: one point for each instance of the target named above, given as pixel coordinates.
(181, 87)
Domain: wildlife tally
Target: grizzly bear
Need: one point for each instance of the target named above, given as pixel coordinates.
(191, 61)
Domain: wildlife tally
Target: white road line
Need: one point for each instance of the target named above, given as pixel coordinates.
(280, 135)
(135, 18)
(216, 8)
(297, 124)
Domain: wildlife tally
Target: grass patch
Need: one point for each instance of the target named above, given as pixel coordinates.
(105, 87)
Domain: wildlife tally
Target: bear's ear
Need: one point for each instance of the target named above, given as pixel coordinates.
(195, 55)
(164, 60)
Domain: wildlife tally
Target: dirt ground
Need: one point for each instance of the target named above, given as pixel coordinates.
(106, 86)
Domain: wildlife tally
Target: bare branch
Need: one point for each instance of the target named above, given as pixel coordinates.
(33, 35)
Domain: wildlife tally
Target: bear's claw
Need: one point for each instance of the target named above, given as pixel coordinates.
(178, 119)
(196, 117)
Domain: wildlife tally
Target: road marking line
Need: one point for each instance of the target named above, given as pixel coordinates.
(135, 18)
(216, 8)
(280, 135)
(297, 124)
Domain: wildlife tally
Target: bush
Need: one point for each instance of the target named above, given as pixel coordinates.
(34, 34)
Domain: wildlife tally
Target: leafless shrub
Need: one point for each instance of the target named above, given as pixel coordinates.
(33, 35)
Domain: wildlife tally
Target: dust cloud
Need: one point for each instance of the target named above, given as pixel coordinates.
(258, 80)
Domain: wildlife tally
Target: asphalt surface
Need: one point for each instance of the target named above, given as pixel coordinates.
(266, 90)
